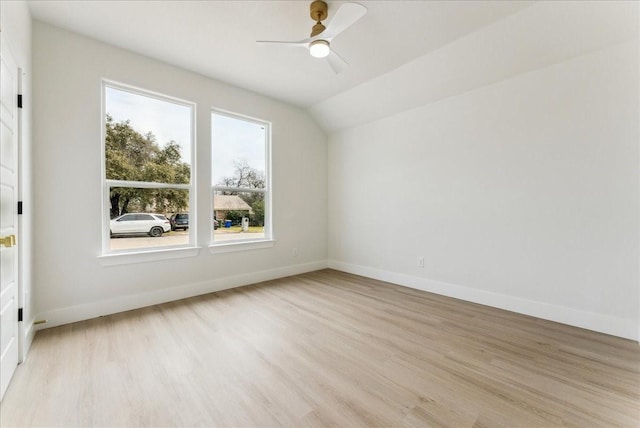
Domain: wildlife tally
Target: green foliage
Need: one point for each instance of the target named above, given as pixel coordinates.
(132, 156)
(235, 216)
(256, 218)
(256, 202)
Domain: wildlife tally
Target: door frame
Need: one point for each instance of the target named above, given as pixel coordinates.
(22, 351)
(7, 49)
(10, 318)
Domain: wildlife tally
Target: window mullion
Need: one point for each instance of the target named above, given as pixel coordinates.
(238, 189)
(146, 184)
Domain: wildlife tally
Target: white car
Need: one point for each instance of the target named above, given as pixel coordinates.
(136, 223)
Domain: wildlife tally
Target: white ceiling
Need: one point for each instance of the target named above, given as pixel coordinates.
(402, 54)
(217, 38)
(546, 33)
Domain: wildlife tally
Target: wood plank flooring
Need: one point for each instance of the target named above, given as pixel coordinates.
(324, 349)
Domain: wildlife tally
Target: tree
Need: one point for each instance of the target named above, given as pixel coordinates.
(247, 177)
(132, 156)
(257, 210)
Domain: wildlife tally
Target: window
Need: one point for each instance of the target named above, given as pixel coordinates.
(240, 179)
(148, 174)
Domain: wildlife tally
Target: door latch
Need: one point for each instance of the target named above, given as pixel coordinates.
(8, 241)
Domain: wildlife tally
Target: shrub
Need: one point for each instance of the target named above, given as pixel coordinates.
(235, 216)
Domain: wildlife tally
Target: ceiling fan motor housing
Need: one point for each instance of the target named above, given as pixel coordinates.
(318, 10)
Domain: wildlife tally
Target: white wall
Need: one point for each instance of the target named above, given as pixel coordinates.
(523, 194)
(15, 22)
(71, 284)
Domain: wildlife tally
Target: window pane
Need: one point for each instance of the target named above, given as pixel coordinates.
(131, 225)
(124, 200)
(239, 216)
(238, 148)
(146, 139)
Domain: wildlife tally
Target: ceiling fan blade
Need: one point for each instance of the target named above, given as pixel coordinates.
(346, 16)
(337, 63)
(298, 44)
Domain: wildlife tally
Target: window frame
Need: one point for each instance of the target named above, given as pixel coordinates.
(111, 257)
(244, 244)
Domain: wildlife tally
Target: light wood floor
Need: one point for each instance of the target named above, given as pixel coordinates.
(324, 349)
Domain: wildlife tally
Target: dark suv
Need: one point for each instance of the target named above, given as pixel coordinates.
(179, 221)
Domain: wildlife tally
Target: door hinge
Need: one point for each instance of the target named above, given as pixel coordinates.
(19, 207)
(19, 314)
(19, 100)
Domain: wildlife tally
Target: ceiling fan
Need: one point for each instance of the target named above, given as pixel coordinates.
(319, 43)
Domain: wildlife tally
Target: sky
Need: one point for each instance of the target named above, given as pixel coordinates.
(166, 120)
(235, 139)
(232, 138)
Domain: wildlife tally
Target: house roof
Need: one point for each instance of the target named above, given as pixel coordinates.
(229, 203)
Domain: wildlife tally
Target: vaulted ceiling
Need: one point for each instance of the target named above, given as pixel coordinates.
(218, 38)
(400, 54)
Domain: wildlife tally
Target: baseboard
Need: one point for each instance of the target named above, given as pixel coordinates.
(96, 309)
(27, 340)
(591, 321)
(570, 316)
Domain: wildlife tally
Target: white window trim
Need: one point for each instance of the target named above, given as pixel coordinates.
(244, 245)
(149, 255)
(113, 257)
(235, 246)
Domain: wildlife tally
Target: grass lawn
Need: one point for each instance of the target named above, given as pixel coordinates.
(238, 229)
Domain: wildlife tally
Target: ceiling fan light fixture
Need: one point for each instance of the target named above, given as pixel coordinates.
(319, 48)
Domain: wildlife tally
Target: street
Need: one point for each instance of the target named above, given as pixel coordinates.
(178, 237)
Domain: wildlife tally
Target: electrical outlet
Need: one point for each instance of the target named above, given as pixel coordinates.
(294, 252)
(421, 262)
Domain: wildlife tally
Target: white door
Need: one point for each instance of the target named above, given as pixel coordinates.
(8, 217)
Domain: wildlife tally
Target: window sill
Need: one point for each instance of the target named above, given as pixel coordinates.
(231, 247)
(114, 259)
